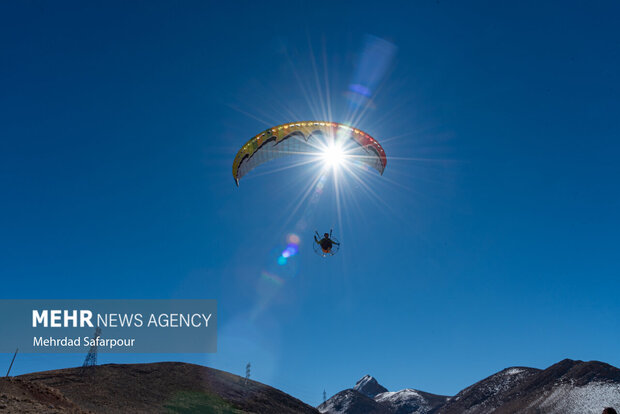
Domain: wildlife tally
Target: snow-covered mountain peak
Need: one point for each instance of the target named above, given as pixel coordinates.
(369, 386)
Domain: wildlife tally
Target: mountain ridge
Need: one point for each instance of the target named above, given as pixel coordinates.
(567, 387)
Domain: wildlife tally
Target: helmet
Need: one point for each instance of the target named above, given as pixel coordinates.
(326, 235)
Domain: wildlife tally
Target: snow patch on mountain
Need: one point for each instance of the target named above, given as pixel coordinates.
(499, 382)
(398, 395)
(408, 401)
(570, 399)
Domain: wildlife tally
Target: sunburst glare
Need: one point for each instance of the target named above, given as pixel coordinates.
(333, 155)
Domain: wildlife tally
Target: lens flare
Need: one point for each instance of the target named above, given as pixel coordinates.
(292, 238)
(333, 155)
(291, 250)
(373, 65)
(272, 278)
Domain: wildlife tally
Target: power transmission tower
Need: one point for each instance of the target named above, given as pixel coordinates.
(91, 358)
(247, 372)
(324, 397)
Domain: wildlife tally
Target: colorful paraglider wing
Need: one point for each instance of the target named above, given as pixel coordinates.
(260, 150)
(298, 138)
(369, 153)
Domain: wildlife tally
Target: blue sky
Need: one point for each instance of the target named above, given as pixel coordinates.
(490, 241)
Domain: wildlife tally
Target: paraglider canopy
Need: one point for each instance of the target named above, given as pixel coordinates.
(309, 137)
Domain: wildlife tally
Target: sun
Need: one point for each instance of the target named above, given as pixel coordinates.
(333, 155)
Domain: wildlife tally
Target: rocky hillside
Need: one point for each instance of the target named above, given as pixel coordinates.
(568, 387)
(352, 402)
(18, 395)
(168, 387)
(490, 393)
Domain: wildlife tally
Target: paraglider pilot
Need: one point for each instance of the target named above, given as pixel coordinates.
(326, 242)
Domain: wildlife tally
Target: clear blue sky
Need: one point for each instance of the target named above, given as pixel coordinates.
(490, 241)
